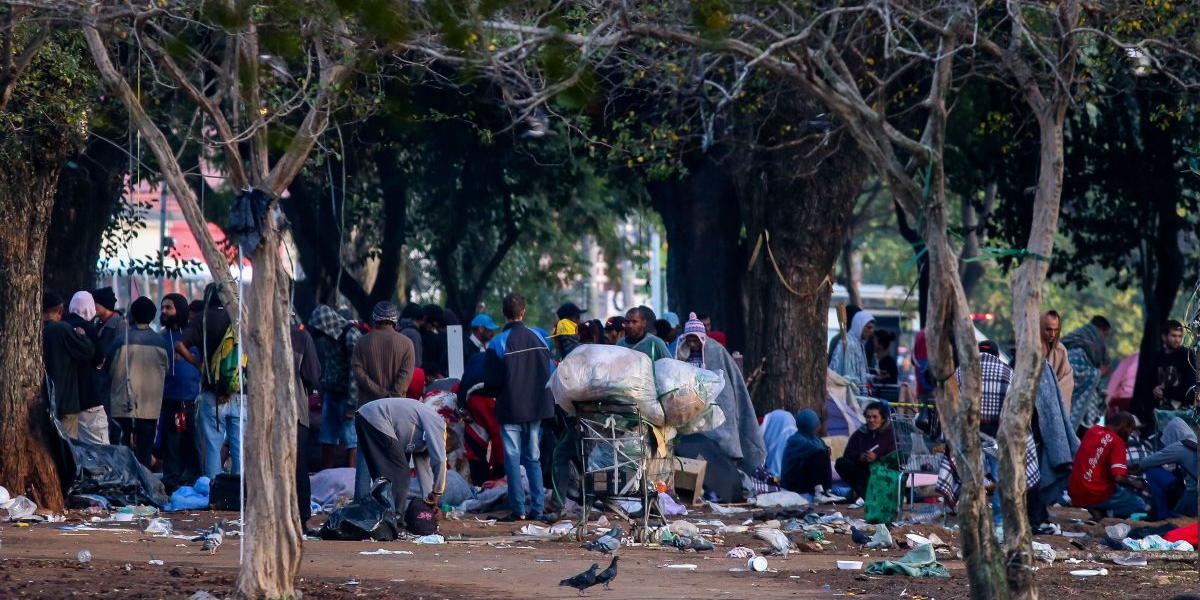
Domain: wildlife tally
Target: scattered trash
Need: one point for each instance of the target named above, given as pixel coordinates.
(1074, 534)
(778, 539)
(727, 510)
(1118, 532)
(1089, 572)
(740, 552)
(882, 538)
(780, 499)
(430, 539)
(371, 517)
(19, 508)
(158, 526)
(156, 562)
(202, 595)
(544, 560)
(1156, 543)
(757, 564)
(127, 567)
(629, 506)
(84, 556)
(682, 566)
(382, 552)
(919, 562)
(1132, 560)
(815, 536)
(351, 582)
(1044, 552)
(849, 565)
(684, 528)
(138, 511)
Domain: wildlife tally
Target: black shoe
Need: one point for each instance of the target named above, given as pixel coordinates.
(511, 518)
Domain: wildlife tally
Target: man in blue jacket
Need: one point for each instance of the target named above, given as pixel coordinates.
(517, 367)
(181, 460)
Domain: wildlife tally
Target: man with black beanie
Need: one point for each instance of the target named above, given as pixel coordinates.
(111, 327)
(64, 348)
(138, 365)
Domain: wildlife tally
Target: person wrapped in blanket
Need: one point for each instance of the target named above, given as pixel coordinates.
(995, 378)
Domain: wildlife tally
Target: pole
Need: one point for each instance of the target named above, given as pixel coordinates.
(162, 248)
(656, 273)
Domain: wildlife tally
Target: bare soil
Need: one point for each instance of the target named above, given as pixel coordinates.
(482, 561)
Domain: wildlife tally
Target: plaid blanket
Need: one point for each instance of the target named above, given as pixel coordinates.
(949, 485)
(1087, 405)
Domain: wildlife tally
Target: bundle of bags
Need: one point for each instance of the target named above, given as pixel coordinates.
(668, 393)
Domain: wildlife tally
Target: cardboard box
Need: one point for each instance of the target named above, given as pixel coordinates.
(689, 475)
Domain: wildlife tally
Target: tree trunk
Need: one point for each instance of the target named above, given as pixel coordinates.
(27, 437)
(913, 237)
(796, 219)
(975, 237)
(701, 216)
(87, 195)
(851, 273)
(272, 538)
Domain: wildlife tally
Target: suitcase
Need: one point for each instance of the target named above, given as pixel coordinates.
(224, 492)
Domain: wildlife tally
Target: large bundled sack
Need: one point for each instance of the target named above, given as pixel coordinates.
(685, 391)
(369, 518)
(612, 373)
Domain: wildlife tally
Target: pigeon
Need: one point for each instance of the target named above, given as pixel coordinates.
(607, 543)
(212, 537)
(859, 536)
(606, 576)
(583, 580)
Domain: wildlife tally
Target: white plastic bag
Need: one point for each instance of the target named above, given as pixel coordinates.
(598, 372)
(712, 418)
(781, 499)
(684, 390)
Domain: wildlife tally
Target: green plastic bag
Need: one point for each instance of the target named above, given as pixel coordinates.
(883, 493)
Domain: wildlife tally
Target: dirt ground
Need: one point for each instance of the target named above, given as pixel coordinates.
(487, 561)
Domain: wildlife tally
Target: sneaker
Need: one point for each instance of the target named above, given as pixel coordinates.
(858, 503)
(821, 497)
(1048, 529)
(511, 518)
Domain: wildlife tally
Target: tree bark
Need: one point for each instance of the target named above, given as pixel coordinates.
(975, 237)
(851, 276)
(794, 219)
(84, 201)
(27, 437)
(913, 237)
(701, 217)
(272, 538)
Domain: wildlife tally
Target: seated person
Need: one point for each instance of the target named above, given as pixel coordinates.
(1099, 473)
(1179, 449)
(870, 443)
(806, 463)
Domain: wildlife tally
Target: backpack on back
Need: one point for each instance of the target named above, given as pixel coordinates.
(224, 371)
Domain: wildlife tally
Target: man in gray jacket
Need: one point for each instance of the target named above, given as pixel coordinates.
(393, 430)
(1179, 449)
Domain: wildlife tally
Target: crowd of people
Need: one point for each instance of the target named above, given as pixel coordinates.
(1118, 449)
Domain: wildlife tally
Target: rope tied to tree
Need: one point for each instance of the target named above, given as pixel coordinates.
(764, 239)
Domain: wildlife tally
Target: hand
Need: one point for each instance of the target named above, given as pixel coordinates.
(1158, 393)
(433, 498)
(871, 457)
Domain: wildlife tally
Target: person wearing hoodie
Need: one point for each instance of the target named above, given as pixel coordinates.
(64, 349)
(849, 357)
(806, 461)
(177, 435)
(411, 321)
(335, 338)
(138, 363)
(93, 420)
(433, 342)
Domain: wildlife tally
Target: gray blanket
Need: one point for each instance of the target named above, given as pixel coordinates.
(739, 436)
(1059, 442)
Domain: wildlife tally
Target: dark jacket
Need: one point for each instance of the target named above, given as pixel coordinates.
(516, 369)
(410, 331)
(109, 333)
(63, 351)
(1176, 374)
(433, 358)
(205, 331)
(89, 397)
(183, 378)
(308, 370)
(864, 439)
(138, 365)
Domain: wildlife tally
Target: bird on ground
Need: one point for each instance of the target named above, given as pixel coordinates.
(583, 580)
(212, 537)
(859, 536)
(608, 575)
(607, 543)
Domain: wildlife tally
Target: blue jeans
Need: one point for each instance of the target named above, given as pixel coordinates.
(336, 429)
(216, 425)
(521, 449)
(1159, 480)
(1122, 503)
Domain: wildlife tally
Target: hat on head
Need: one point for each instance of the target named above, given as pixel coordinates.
(565, 327)
(617, 322)
(568, 311)
(671, 318)
(142, 311)
(83, 305)
(385, 311)
(50, 300)
(485, 321)
(105, 297)
(412, 310)
(694, 327)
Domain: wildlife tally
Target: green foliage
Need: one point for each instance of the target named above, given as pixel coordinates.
(51, 102)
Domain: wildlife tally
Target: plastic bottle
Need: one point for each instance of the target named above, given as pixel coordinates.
(84, 556)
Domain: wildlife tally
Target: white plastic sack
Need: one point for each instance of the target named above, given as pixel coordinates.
(712, 418)
(684, 390)
(778, 540)
(598, 372)
(21, 508)
(781, 499)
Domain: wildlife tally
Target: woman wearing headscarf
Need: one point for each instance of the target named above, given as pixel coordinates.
(849, 358)
(1087, 353)
(93, 419)
(777, 427)
(806, 465)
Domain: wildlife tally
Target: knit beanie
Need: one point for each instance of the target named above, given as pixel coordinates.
(50, 300)
(105, 297)
(695, 327)
(142, 311)
(385, 311)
